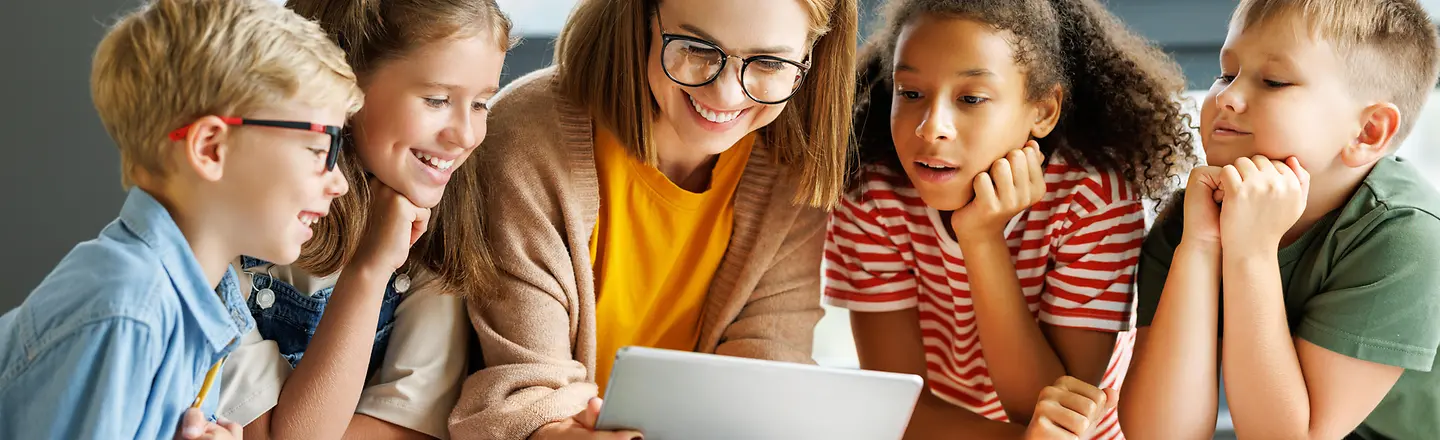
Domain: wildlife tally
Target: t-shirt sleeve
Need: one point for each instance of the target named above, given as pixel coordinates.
(864, 268)
(1156, 255)
(419, 381)
(1382, 297)
(1090, 284)
(253, 376)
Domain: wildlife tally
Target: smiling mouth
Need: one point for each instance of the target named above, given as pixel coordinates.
(432, 161)
(713, 116)
(309, 218)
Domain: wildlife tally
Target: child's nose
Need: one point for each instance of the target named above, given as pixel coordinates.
(1231, 98)
(937, 125)
(461, 132)
(336, 185)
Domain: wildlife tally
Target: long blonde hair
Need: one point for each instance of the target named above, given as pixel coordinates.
(601, 58)
(372, 32)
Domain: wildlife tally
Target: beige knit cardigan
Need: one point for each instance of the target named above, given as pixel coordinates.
(536, 327)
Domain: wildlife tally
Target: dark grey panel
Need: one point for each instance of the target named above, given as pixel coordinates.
(61, 178)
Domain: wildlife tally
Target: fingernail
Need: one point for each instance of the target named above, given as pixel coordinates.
(193, 431)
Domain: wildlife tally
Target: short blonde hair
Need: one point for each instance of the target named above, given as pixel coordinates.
(1390, 46)
(173, 61)
(601, 57)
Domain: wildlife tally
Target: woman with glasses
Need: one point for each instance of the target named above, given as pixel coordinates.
(664, 185)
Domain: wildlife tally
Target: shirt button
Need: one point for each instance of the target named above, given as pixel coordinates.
(265, 298)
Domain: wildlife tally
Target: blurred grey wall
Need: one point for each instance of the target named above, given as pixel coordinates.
(61, 182)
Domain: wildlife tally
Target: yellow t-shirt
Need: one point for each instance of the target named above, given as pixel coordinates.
(655, 249)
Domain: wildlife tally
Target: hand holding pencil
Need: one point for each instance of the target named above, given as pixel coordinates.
(194, 426)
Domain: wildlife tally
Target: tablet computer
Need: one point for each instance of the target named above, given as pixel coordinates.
(678, 395)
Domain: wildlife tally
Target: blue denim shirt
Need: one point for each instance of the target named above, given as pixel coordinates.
(116, 341)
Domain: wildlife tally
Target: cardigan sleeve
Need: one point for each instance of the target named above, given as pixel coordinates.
(779, 317)
(526, 324)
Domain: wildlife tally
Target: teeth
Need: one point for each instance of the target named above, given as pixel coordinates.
(309, 219)
(434, 161)
(718, 118)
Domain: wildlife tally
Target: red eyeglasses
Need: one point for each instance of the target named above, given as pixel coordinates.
(335, 139)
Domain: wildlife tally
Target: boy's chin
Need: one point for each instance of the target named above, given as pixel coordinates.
(1220, 160)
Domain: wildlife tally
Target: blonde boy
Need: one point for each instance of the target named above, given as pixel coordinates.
(227, 116)
(1327, 321)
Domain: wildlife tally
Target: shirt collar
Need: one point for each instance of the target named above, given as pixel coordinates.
(220, 312)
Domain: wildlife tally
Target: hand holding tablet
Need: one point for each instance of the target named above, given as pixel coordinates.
(582, 426)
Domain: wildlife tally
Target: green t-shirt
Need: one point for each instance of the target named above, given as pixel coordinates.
(1363, 282)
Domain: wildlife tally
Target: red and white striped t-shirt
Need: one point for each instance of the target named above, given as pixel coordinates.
(1075, 254)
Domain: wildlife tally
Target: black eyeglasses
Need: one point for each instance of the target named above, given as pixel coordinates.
(693, 62)
(334, 131)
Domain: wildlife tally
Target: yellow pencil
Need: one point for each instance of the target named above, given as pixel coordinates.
(209, 380)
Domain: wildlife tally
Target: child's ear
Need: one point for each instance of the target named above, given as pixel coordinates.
(1378, 125)
(205, 147)
(1047, 112)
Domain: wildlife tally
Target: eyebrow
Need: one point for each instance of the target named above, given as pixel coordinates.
(753, 51)
(439, 85)
(964, 73)
(1283, 61)
(1280, 59)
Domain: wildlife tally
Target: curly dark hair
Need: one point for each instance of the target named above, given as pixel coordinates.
(1121, 111)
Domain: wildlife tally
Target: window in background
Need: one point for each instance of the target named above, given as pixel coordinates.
(1421, 147)
(537, 17)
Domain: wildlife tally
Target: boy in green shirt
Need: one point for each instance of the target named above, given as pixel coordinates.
(1327, 244)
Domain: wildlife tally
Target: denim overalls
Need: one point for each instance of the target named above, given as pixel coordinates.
(289, 317)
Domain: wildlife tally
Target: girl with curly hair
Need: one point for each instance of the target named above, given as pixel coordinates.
(989, 237)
